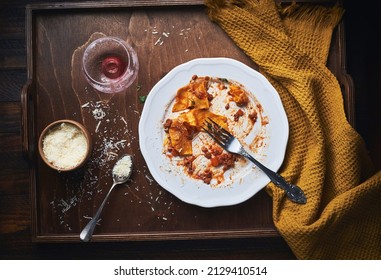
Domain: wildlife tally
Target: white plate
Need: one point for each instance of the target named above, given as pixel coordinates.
(151, 134)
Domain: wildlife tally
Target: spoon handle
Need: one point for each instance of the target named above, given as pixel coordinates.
(88, 230)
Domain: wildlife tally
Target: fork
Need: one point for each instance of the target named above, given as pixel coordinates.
(231, 144)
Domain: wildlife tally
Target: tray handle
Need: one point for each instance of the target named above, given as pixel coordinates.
(27, 120)
(346, 80)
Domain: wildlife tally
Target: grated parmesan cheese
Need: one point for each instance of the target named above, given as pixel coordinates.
(123, 167)
(65, 146)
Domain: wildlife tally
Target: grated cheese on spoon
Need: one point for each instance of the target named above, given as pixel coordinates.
(123, 167)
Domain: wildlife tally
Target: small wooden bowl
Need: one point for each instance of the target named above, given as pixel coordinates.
(65, 147)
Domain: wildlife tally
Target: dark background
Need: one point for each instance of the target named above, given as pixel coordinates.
(362, 22)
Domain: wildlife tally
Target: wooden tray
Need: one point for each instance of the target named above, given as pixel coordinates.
(62, 203)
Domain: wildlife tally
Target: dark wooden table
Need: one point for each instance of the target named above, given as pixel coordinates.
(363, 64)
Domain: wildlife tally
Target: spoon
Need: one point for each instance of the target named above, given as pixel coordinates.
(121, 172)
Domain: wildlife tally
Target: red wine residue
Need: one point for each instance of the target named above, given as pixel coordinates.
(113, 67)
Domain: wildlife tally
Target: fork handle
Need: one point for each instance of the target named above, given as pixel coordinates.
(295, 193)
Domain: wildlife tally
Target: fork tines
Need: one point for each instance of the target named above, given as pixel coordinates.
(217, 132)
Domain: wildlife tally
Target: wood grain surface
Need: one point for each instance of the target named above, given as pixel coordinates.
(64, 202)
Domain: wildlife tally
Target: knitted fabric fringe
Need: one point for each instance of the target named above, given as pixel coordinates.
(325, 156)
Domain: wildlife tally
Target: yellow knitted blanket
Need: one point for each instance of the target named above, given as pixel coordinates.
(325, 156)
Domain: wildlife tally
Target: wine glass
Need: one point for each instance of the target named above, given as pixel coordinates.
(110, 65)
